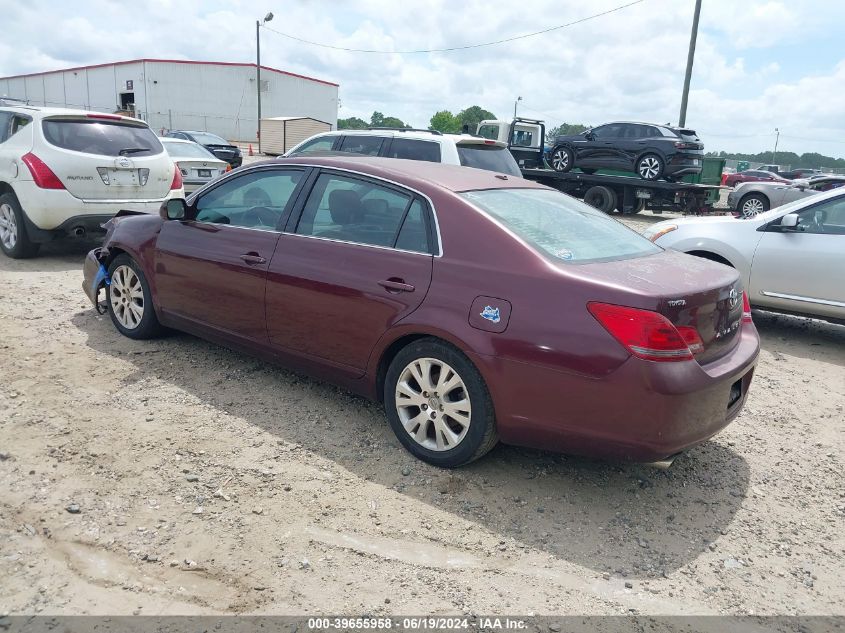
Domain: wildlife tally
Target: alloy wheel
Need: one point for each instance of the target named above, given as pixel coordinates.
(752, 207)
(127, 297)
(560, 160)
(649, 167)
(433, 404)
(8, 226)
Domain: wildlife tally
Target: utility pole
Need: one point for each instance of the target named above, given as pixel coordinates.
(515, 103)
(258, 24)
(777, 138)
(682, 119)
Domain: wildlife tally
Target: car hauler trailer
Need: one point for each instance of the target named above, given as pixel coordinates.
(629, 194)
(606, 192)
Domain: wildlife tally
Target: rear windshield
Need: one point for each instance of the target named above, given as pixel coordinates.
(209, 139)
(188, 150)
(106, 138)
(561, 227)
(489, 157)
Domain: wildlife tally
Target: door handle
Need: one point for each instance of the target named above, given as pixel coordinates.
(253, 258)
(396, 285)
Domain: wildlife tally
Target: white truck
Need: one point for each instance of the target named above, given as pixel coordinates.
(525, 139)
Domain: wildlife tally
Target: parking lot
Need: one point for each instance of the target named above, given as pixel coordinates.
(175, 476)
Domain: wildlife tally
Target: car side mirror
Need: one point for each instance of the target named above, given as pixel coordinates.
(174, 209)
(789, 221)
(589, 136)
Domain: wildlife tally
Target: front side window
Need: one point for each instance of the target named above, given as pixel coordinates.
(255, 200)
(362, 145)
(103, 137)
(413, 149)
(608, 131)
(827, 217)
(560, 227)
(353, 210)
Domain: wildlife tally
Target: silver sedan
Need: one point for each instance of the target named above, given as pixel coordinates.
(790, 258)
(752, 198)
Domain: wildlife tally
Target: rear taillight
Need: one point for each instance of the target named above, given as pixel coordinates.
(108, 117)
(177, 179)
(228, 168)
(646, 334)
(41, 174)
(746, 308)
(682, 145)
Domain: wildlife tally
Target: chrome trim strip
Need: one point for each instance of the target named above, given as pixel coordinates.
(825, 302)
(383, 248)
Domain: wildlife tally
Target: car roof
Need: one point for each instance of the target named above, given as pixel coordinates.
(49, 111)
(170, 139)
(421, 135)
(417, 173)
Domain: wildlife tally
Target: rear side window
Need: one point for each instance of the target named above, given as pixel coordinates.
(489, 131)
(488, 157)
(561, 227)
(106, 138)
(5, 121)
(415, 150)
(363, 145)
(352, 210)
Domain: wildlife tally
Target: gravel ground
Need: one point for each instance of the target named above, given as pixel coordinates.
(175, 476)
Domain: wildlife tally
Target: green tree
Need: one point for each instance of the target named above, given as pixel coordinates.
(472, 116)
(564, 129)
(377, 120)
(445, 122)
(392, 121)
(352, 123)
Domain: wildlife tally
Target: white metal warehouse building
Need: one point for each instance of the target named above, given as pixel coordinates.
(170, 94)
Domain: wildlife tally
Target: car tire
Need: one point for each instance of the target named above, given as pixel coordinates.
(602, 198)
(639, 206)
(752, 205)
(562, 159)
(129, 300)
(14, 241)
(412, 399)
(650, 167)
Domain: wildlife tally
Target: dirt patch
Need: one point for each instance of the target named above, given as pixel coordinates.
(209, 482)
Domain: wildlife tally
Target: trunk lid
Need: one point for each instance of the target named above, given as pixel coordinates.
(701, 298)
(107, 157)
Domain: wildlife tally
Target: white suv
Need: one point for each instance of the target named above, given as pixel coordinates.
(65, 172)
(426, 145)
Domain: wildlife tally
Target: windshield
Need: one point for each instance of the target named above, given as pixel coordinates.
(559, 226)
(209, 139)
(187, 150)
(489, 157)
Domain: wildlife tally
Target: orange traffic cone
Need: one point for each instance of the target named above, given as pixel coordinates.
(251, 153)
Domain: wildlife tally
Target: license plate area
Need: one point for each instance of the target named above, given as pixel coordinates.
(695, 162)
(124, 178)
(643, 194)
(204, 173)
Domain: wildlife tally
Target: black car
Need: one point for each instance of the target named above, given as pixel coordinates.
(651, 151)
(217, 145)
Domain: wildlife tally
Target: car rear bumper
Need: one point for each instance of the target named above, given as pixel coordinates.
(644, 411)
(49, 210)
(683, 164)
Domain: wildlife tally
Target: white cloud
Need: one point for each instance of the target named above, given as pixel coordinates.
(626, 65)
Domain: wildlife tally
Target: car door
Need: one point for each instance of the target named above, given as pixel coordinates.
(602, 151)
(211, 268)
(801, 269)
(631, 142)
(356, 261)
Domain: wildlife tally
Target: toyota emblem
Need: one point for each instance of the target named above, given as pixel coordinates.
(733, 298)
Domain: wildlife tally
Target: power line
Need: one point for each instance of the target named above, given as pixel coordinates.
(455, 48)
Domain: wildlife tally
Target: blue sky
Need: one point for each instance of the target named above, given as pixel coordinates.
(760, 64)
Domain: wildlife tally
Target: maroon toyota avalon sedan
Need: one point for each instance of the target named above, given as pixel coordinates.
(477, 306)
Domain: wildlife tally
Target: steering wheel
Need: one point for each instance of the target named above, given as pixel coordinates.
(261, 216)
